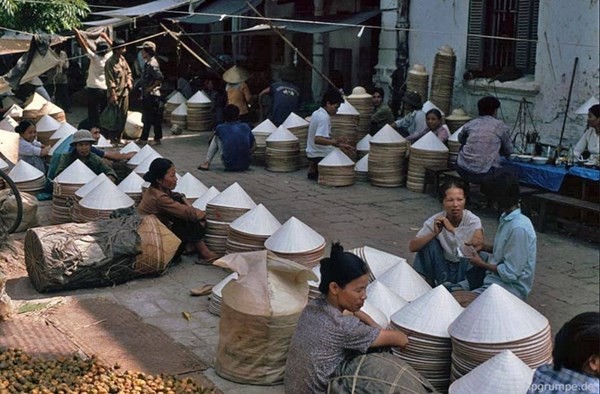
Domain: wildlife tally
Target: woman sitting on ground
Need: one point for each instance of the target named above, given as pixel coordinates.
(443, 236)
(173, 210)
(433, 118)
(330, 345)
(82, 142)
(30, 149)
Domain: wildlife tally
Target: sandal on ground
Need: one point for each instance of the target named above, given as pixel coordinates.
(201, 291)
(203, 168)
(207, 261)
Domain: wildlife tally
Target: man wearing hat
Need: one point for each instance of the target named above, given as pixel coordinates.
(152, 78)
(82, 142)
(415, 120)
(285, 96)
(118, 84)
(238, 92)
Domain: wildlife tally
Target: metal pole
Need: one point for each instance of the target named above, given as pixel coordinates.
(562, 131)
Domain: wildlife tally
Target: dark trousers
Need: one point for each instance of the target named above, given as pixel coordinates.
(151, 116)
(96, 102)
(61, 95)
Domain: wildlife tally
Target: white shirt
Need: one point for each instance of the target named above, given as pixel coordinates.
(27, 148)
(96, 78)
(320, 125)
(590, 141)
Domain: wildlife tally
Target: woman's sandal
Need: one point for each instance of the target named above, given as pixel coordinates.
(201, 291)
(203, 168)
(207, 262)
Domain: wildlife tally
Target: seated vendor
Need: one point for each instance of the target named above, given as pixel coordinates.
(330, 345)
(30, 149)
(414, 121)
(435, 124)
(589, 144)
(82, 144)
(173, 210)
(110, 155)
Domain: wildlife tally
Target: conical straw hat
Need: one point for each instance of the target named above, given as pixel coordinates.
(130, 147)
(91, 185)
(9, 145)
(347, 109)
(430, 142)
(364, 143)
(336, 158)
(281, 134)
(503, 373)
(65, 129)
(387, 135)
(429, 106)
(380, 261)
(294, 237)
(363, 164)
(585, 107)
(199, 98)
(53, 109)
(190, 186)
(375, 313)
(47, 123)
(76, 173)
(384, 299)
(144, 166)
(294, 120)
(103, 143)
(430, 314)
(497, 316)
(234, 197)
(106, 196)
(235, 74)
(58, 144)
(404, 281)
(35, 103)
(3, 165)
(180, 110)
(176, 98)
(458, 114)
(359, 92)
(14, 111)
(265, 127)
(418, 69)
(211, 193)
(132, 183)
(23, 172)
(141, 155)
(258, 221)
(454, 136)
(8, 123)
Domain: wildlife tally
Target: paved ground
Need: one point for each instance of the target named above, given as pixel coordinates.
(567, 275)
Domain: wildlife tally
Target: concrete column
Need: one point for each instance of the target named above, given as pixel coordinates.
(318, 56)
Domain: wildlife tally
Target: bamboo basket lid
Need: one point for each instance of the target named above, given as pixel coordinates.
(293, 120)
(76, 173)
(265, 127)
(430, 142)
(106, 197)
(233, 197)
(387, 135)
(365, 143)
(141, 155)
(181, 110)
(47, 123)
(190, 186)
(24, 172)
(103, 143)
(404, 281)
(91, 185)
(176, 98)
(144, 166)
(201, 202)
(8, 123)
(294, 237)
(199, 99)
(131, 184)
(34, 103)
(374, 313)
(336, 158)
(384, 299)
(130, 147)
(281, 134)
(258, 221)
(64, 130)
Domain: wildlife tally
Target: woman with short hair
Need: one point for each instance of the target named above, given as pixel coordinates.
(30, 149)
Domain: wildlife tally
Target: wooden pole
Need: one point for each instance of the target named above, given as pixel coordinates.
(562, 131)
(176, 37)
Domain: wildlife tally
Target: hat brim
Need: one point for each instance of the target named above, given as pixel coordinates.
(90, 140)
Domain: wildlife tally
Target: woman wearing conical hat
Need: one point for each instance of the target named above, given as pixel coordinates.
(238, 92)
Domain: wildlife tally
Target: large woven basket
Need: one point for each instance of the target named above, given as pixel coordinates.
(158, 246)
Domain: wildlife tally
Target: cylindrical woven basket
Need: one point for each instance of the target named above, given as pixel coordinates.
(158, 246)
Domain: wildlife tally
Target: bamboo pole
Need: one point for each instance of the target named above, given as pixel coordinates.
(176, 37)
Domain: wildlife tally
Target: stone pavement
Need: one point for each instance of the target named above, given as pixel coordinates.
(566, 283)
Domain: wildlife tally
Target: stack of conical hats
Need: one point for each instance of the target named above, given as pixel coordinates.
(417, 80)
(336, 169)
(374, 313)
(384, 299)
(55, 111)
(174, 101)
(64, 130)
(221, 210)
(313, 285)
(201, 202)
(386, 158)
(283, 151)
(250, 231)
(510, 375)
(495, 321)
(130, 147)
(100, 202)
(179, 116)
(65, 185)
(363, 103)
(132, 186)
(199, 108)
(377, 260)
(8, 123)
(429, 105)
(191, 187)
(361, 170)
(457, 119)
(3, 165)
(297, 242)
(453, 147)
(103, 143)
(363, 146)
(426, 320)
(15, 112)
(442, 80)
(299, 127)
(216, 296)
(27, 178)
(344, 124)
(88, 187)
(45, 127)
(404, 281)
(139, 157)
(133, 125)
(261, 132)
(158, 246)
(33, 108)
(144, 166)
(428, 151)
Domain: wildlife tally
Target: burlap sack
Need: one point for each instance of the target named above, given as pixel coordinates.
(8, 209)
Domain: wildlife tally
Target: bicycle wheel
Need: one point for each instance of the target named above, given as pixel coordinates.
(7, 224)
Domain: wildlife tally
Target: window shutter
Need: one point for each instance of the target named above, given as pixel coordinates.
(527, 27)
(475, 44)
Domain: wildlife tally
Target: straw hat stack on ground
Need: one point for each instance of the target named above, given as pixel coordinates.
(336, 169)
(33, 108)
(283, 151)
(299, 127)
(216, 296)
(442, 81)
(250, 231)
(144, 166)
(363, 146)
(130, 147)
(496, 321)
(179, 115)
(261, 132)
(417, 80)
(45, 127)
(100, 202)
(133, 125)
(132, 186)
(404, 281)
(103, 143)
(384, 299)
(457, 119)
(377, 260)
(453, 148)
(8, 123)
(15, 112)
(199, 112)
(363, 102)
(55, 111)
(141, 154)
(386, 158)
(428, 151)
(361, 170)
(64, 187)
(174, 101)
(64, 130)
(27, 178)
(191, 187)
(313, 285)
(221, 210)
(201, 202)
(344, 124)
(426, 320)
(297, 242)
(88, 187)
(4, 166)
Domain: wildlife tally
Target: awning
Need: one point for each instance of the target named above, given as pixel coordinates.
(256, 30)
(149, 8)
(11, 42)
(211, 13)
(109, 22)
(324, 25)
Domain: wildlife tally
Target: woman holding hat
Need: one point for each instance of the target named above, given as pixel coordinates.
(82, 142)
(30, 149)
(238, 92)
(173, 210)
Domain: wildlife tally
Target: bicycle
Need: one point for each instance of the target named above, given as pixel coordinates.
(4, 223)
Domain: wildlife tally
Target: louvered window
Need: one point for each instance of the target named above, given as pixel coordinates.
(503, 19)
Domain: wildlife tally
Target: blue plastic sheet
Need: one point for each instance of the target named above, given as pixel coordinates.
(544, 176)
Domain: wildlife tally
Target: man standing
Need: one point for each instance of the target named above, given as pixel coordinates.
(118, 83)
(285, 96)
(382, 113)
(152, 78)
